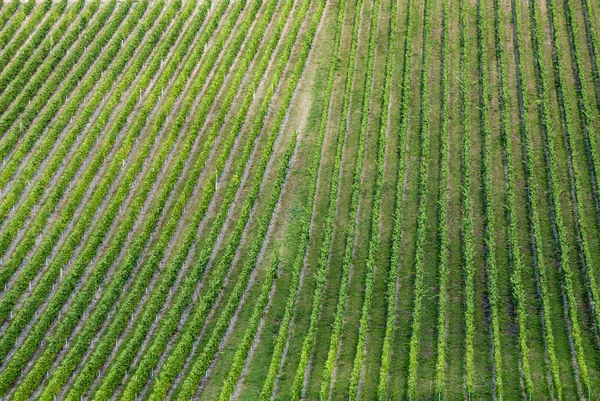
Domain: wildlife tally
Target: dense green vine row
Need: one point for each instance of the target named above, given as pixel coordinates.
(83, 298)
(7, 12)
(309, 338)
(18, 288)
(113, 208)
(241, 353)
(334, 342)
(32, 25)
(148, 183)
(115, 166)
(298, 264)
(73, 68)
(398, 216)
(516, 257)
(34, 76)
(468, 249)
(440, 369)
(561, 241)
(44, 107)
(28, 53)
(176, 359)
(104, 223)
(536, 241)
(102, 77)
(16, 21)
(135, 340)
(204, 357)
(490, 242)
(92, 135)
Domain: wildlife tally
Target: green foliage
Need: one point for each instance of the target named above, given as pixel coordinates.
(374, 240)
(550, 141)
(47, 74)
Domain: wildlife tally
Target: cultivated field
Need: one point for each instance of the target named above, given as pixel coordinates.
(300, 199)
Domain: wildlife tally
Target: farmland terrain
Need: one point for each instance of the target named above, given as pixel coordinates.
(300, 199)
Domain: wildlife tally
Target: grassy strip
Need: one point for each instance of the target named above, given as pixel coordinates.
(114, 205)
(204, 358)
(334, 342)
(468, 250)
(32, 25)
(136, 339)
(175, 361)
(357, 364)
(52, 272)
(241, 353)
(40, 220)
(440, 377)
(561, 243)
(284, 327)
(422, 213)
(309, 339)
(490, 248)
(391, 293)
(516, 257)
(533, 214)
(39, 76)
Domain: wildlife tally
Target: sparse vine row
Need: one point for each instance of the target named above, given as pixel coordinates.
(398, 216)
(559, 231)
(536, 240)
(468, 247)
(516, 257)
(351, 231)
(575, 175)
(488, 204)
(443, 211)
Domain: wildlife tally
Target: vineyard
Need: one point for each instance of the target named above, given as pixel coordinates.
(300, 199)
